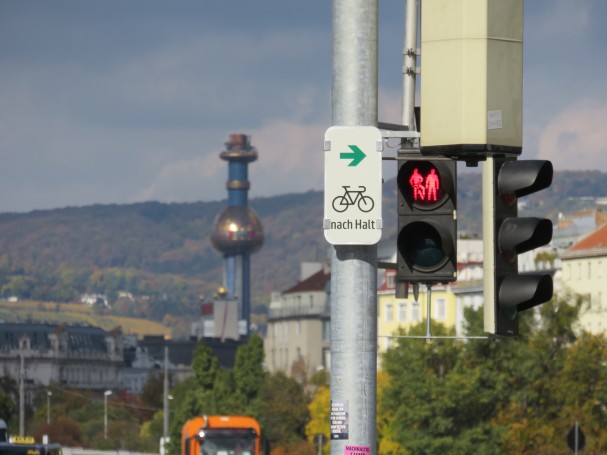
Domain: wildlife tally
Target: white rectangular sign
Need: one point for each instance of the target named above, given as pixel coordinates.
(353, 185)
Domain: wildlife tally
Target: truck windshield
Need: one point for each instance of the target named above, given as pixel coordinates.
(228, 442)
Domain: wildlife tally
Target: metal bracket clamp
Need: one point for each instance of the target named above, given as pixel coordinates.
(386, 134)
(389, 130)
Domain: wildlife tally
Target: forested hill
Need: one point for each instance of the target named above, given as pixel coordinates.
(163, 251)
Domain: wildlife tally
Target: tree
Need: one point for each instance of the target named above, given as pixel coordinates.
(153, 390)
(249, 374)
(205, 366)
(8, 399)
(283, 411)
(434, 400)
(319, 409)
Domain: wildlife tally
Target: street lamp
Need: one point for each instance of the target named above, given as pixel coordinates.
(49, 394)
(165, 427)
(106, 394)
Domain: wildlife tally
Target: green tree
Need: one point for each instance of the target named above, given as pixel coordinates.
(205, 366)
(8, 399)
(429, 405)
(283, 411)
(153, 390)
(249, 374)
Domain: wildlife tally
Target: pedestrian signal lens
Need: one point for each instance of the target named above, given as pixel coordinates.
(422, 246)
(427, 221)
(421, 184)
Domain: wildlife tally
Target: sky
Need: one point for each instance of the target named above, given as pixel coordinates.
(117, 102)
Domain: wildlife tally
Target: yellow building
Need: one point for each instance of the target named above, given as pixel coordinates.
(448, 301)
(394, 314)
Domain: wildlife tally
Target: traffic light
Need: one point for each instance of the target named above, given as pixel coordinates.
(427, 227)
(505, 236)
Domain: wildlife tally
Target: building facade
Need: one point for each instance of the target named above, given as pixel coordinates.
(447, 301)
(298, 336)
(584, 272)
(85, 357)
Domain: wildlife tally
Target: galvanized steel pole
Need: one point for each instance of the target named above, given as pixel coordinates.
(165, 398)
(354, 267)
(410, 63)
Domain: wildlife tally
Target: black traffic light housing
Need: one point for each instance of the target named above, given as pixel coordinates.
(427, 223)
(507, 292)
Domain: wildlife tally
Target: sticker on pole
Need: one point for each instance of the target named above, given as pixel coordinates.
(353, 185)
(357, 450)
(339, 420)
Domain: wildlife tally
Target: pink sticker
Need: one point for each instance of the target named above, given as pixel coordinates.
(357, 450)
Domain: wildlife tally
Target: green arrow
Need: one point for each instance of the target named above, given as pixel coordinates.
(356, 156)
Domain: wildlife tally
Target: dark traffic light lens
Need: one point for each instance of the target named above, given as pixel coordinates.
(422, 246)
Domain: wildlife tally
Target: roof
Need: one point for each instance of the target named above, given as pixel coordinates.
(593, 244)
(315, 282)
(80, 338)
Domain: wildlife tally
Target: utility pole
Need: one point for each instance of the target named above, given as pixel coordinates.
(165, 421)
(49, 394)
(106, 394)
(22, 395)
(410, 64)
(354, 267)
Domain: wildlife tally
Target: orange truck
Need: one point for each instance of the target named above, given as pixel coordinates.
(223, 435)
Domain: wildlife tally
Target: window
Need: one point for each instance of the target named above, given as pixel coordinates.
(387, 343)
(390, 281)
(389, 310)
(284, 331)
(415, 311)
(402, 311)
(326, 330)
(440, 311)
(297, 327)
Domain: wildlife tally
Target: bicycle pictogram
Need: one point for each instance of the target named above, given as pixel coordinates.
(353, 197)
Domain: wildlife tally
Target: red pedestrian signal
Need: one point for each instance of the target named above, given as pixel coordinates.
(427, 238)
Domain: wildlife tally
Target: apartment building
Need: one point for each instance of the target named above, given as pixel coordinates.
(298, 336)
(584, 272)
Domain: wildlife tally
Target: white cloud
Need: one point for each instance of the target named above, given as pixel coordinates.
(576, 139)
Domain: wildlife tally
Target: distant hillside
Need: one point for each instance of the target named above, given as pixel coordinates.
(163, 251)
(55, 313)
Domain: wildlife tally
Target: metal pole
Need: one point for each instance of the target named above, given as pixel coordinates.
(576, 436)
(410, 63)
(165, 421)
(105, 395)
(428, 311)
(22, 396)
(488, 242)
(354, 267)
(48, 407)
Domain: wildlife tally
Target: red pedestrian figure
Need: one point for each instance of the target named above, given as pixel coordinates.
(416, 181)
(432, 184)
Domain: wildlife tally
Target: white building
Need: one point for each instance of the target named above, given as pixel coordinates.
(584, 272)
(298, 336)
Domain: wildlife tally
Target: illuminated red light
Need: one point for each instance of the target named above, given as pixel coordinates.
(425, 184)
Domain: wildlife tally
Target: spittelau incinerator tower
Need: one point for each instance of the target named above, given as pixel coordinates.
(237, 231)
